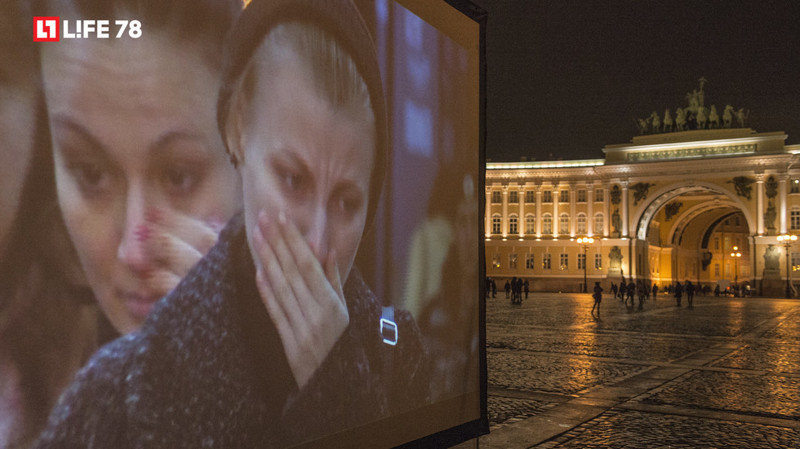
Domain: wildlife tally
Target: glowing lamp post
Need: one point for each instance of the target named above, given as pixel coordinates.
(736, 255)
(585, 242)
(787, 240)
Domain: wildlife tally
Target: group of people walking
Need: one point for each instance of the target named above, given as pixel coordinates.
(640, 289)
(515, 287)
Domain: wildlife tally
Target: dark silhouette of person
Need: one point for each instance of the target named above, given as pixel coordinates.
(598, 297)
(678, 294)
(690, 293)
(508, 289)
(631, 291)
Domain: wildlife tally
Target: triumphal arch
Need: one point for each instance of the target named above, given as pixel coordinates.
(706, 203)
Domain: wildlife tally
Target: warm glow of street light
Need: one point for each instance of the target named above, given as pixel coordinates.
(787, 238)
(585, 240)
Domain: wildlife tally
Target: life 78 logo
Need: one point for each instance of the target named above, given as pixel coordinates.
(52, 29)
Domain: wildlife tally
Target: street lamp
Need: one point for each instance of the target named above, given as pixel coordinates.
(787, 240)
(585, 242)
(736, 255)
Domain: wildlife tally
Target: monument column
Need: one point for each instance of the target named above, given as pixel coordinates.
(589, 209)
(572, 216)
(782, 182)
(505, 211)
(760, 204)
(624, 208)
(538, 218)
(555, 210)
(521, 218)
(488, 218)
(606, 210)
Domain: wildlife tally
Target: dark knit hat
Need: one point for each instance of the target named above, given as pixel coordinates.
(338, 18)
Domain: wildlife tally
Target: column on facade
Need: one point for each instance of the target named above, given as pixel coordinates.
(589, 209)
(555, 199)
(624, 208)
(782, 181)
(521, 202)
(572, 216)
(538, 210)
(606, 207)
(505, 210)
(760, 204)
(488, 224)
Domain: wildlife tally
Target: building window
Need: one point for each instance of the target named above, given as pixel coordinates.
(513, 197)
(794, 186)
(581, 196)
(530, 262)
(598, 195)
(547, 196)
(716, 244)
(530, 196)
(563, 224)
(581, 261)
(530, 224)
(545, 261)
(512, 225)
(512, 261)
(563, 261)
(716, 270)
(598, 261)
(496, 261)
(794, 219)
(496, 224)
(795, 262)
(564, 196)
(598, 224)
(580, 224)
(547, 224)
(497, 197)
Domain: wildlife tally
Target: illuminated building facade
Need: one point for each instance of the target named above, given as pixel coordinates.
(665, 208)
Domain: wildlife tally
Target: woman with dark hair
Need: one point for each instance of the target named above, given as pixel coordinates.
(143, 182)
(47, 317)
(273, 339)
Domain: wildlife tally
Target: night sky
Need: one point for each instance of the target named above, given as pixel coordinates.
(567, 77)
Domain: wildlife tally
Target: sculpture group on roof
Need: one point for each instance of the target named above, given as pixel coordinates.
(694, 116)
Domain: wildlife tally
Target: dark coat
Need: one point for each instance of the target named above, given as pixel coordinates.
(207, 369)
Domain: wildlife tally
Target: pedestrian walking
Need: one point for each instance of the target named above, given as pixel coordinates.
(631, 290)
(508, 289)
(689, 293)
(598, 297)
(527, 287)
(622, 288)
(678, 294)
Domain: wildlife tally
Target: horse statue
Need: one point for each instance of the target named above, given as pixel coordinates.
(680, 119)
(713, 117)
(642, 125)
(727, 116)
(741, 117)
(669, 125)
(694, 101)
(702, 118)
(655, 122)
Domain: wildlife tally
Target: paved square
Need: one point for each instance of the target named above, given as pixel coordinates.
(725, 373)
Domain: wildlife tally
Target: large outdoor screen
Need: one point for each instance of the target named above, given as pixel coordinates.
(197, 247)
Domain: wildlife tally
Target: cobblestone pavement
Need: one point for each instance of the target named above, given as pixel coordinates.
(725, 373)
